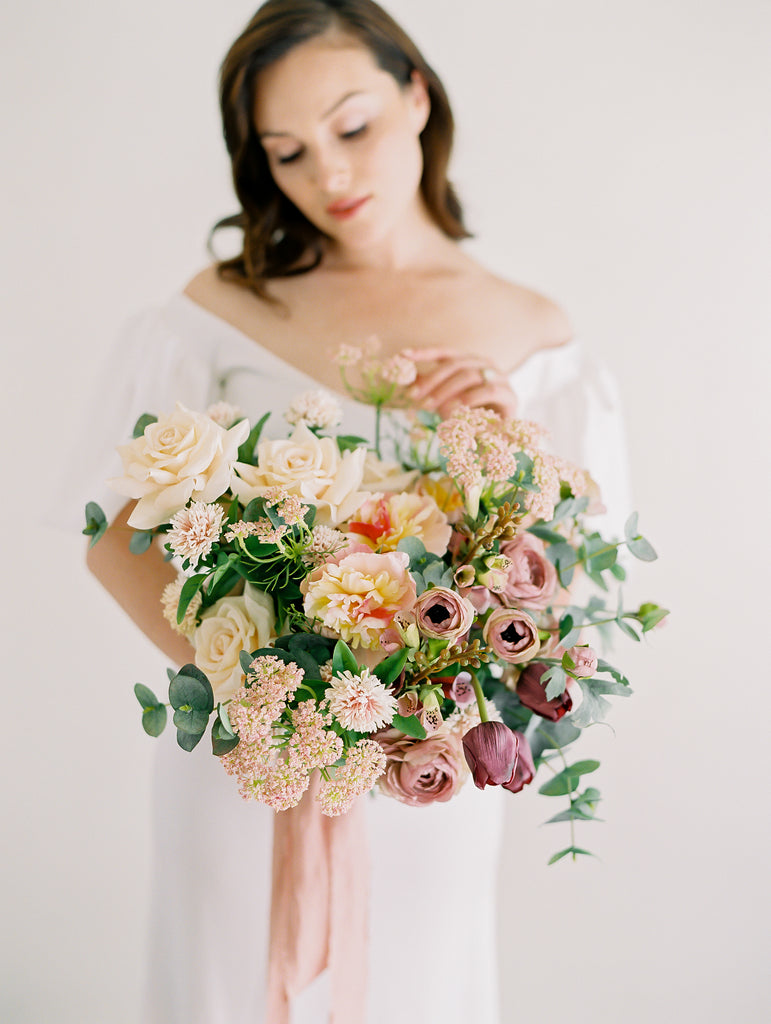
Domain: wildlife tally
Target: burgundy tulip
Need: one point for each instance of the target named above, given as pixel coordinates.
(491, 753)
(524, 770)
(533, 695)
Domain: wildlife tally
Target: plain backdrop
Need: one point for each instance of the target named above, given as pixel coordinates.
(614, 155)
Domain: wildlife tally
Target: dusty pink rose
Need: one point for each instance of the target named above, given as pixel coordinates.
(359, 595)
(533, 695)
(491, 750)
(532, 579)
(524, 770)
(443, 614)
(512, 634)
(420, 772)
(585, 661)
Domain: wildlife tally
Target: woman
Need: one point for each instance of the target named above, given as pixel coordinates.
(339, 135)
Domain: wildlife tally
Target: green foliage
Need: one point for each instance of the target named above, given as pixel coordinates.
(566, 781)
(426, 568)
(390, 668)
(143, 422)
(343, 659)
(636, 543)
(223, 739)
(349, 442)
(573, 850)
(153, 712)
(141, 541)
(409, 725)
(553, 735)
(555, 680)
(545, 533)
(96, 522)
(191, 696)
(190, 588)
(563, 558)
(650, 615)
(246, 450)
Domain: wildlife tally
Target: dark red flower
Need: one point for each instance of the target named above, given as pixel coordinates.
(491, 753)
(524, 770)
(533, 695)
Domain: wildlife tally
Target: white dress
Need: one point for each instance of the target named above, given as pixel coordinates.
(212, 855)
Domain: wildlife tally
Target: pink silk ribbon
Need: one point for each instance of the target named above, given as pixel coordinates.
(319, 904)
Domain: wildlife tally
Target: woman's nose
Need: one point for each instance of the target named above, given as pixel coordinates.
(333, 173)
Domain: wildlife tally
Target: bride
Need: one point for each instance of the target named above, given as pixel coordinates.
(339, 135)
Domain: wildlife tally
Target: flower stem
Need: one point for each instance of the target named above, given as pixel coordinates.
(481, 702)
(378, 418)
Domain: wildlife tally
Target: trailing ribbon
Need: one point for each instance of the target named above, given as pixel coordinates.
(319, 903)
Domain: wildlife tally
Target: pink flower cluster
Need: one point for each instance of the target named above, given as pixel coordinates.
(365, 763)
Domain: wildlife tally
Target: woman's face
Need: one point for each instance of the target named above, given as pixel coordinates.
(342, 139)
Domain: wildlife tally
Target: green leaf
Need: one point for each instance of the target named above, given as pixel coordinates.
(574, 813)
(410, 726)
(144, 421)
(141, 541)
(415, 548)
(546, 534)
(653, 618)
(246, 659)
(222, 741)
(154, 720)
(627, 629)
(566, 781)
(246, 450)
(574, 850)
(255, 511)
(642, 549)
(343, 659)
(556, 681)
(190, 588)
(593, 708)
(390, 668)
(187, 740)
(349, 442)
(189, 720)
(566, 626)
(191, 688)
(145, 696)
(96, 522)
(568, 508)
(224, 718)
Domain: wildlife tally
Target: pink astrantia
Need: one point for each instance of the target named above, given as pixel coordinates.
(195, 529)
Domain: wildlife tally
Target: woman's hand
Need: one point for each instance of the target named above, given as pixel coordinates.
(447, 379)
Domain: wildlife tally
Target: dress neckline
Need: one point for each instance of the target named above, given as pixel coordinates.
(528, 364)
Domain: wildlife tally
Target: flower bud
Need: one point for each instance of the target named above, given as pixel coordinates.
(524, 770)
(495, 575)
(584, 661)
(491, 750)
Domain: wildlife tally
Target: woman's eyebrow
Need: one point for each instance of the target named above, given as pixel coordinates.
(324, 116)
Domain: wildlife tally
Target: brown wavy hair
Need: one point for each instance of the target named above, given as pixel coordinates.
(278, 240)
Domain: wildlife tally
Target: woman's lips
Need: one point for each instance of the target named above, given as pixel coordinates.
(345, 208)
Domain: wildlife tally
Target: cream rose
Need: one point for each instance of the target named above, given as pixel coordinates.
(310, 467)
(232, 625)
(386, 476)
(181, 457)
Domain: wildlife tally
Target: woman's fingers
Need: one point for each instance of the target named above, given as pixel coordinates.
(449, 364)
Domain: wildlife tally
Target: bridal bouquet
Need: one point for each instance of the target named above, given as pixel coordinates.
(405, 624)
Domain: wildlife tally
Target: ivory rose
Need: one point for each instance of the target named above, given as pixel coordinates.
(385, 476)
(383, 520)
(232, 625)
(531, 579)
(359, 596)
(183, 456)
(307, 466)
(512, 634)
(422, 772)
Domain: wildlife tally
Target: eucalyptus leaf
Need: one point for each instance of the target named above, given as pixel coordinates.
(630, 527)
(224, 718)
(574, 850)
(642, 549)
(546, 534)
(154, 720)
(191, 721)
(222, 741)
(626, 629)
(141, 541)
(145, 696)
(574, 813)
(96, 522)
(190, 687)
(188, 740)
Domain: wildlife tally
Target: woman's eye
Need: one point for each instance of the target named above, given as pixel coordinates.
(354, 132)
(288, 159)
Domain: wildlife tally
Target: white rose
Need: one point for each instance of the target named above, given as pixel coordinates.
(181, 457)
(386, 476)
(310, 467)
(232, 625)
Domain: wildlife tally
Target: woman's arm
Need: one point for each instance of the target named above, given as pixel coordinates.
(136, 582)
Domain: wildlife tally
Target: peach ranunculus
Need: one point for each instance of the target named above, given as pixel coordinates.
(512, 634)
(422, 772)
(443, 614)
(359, 596)
(182, 456)
(310, 467)
(385, 519)
(232, 625)
(532, 579)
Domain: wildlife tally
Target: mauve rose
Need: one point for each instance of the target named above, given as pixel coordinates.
(585, 661)
(524, 770)
(420, 772)
(532, 579)
(491, 753)
(512, 634)
(442, 614)
(533, 695)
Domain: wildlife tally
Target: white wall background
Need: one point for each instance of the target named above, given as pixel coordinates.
(613, 154)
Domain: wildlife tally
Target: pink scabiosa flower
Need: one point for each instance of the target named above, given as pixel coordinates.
(533, 695)
(360, 702)
(491, 750)
(524, 770)
(512, 634)
(443, 614)
(584, 661)
(359, 596)
(194, 530)
(531, 579)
